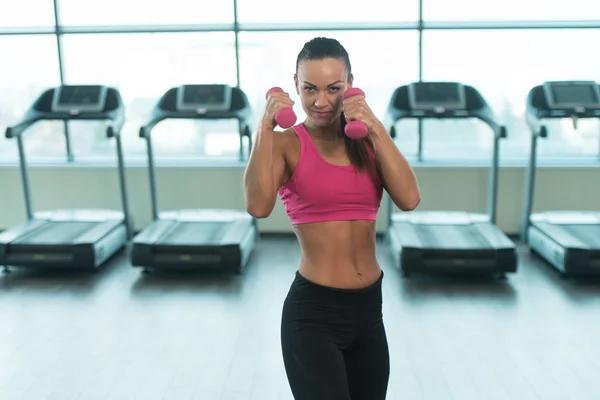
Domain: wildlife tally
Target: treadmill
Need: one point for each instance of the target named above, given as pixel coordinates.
(68, 238)
(568, 240)
(216, 240)
(448, 242)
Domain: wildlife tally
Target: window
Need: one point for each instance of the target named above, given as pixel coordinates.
(523, 10)
(317, 11)
(26, 74)
(143, 67)
(504, 66)
(268, 59)
(132, 12)
(26, 13)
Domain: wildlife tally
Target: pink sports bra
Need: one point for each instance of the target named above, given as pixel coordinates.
(319, 191)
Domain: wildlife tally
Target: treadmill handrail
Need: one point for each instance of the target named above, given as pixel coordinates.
(483, 113)
(243, 117)
(146, 129)
(394, 115)
(115, 128)
(21, 126)
(116, 117)
(532, 117)
(535, 116)
(165, 108)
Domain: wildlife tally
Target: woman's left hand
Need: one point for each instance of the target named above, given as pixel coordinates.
(356, 109)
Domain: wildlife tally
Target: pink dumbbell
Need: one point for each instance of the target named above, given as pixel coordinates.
(355, 129)
(285, 117)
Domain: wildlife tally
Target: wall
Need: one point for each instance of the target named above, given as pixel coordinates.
(457, 188)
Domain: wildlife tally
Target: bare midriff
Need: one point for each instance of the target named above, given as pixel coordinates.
(339, 254)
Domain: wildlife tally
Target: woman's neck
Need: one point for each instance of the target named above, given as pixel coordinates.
(331, 132)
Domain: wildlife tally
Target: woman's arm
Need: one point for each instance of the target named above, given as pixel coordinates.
(263, 174)
(266, 165)
(397, 175)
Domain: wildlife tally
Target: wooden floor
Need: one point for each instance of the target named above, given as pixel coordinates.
(118, 334)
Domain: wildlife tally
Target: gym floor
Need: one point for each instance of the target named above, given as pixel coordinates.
(118, 334)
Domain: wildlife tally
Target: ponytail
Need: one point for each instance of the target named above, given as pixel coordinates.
(357, 150)
(343, 123)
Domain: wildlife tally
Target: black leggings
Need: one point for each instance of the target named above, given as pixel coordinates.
(334, 342)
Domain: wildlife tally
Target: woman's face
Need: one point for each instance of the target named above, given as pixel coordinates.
(321, 85)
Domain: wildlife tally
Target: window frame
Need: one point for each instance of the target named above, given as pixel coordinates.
(420, 26)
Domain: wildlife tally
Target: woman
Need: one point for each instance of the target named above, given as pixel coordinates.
(332, 333)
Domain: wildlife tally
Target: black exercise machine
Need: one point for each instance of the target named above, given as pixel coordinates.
(448, 241)
(210, 239)
(568, 240)
(78, 238)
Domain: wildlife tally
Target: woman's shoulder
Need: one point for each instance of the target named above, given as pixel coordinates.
(286, 140)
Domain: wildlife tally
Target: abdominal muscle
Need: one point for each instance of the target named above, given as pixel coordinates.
(339, 254)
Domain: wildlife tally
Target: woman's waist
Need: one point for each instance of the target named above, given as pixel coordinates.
(339, 272)
(335, 293)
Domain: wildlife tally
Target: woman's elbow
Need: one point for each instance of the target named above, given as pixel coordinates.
(409, 204)
(258, 211)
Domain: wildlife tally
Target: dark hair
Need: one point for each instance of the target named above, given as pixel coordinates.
(320, 48)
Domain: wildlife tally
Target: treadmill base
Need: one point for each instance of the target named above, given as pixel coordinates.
(472, 246)
(223, 243)
(61, 244)
(563, 251)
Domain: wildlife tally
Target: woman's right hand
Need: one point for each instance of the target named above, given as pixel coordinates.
(275, 102)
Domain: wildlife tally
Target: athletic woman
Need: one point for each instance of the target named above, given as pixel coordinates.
(332, 333)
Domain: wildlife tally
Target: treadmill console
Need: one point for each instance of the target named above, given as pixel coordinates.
(577, 96)
(76, 99)
(438, 97)
(203, 98)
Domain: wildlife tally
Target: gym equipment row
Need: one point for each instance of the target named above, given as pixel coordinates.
(222, 239)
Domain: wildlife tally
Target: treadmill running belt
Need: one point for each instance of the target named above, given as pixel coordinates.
(588, 234)
(57, 233)
(193, 233)
(451, 236)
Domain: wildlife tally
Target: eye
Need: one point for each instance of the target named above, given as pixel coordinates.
(334, 89)
(308, 89)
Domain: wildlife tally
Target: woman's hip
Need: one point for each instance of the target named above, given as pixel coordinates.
(310, 301)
